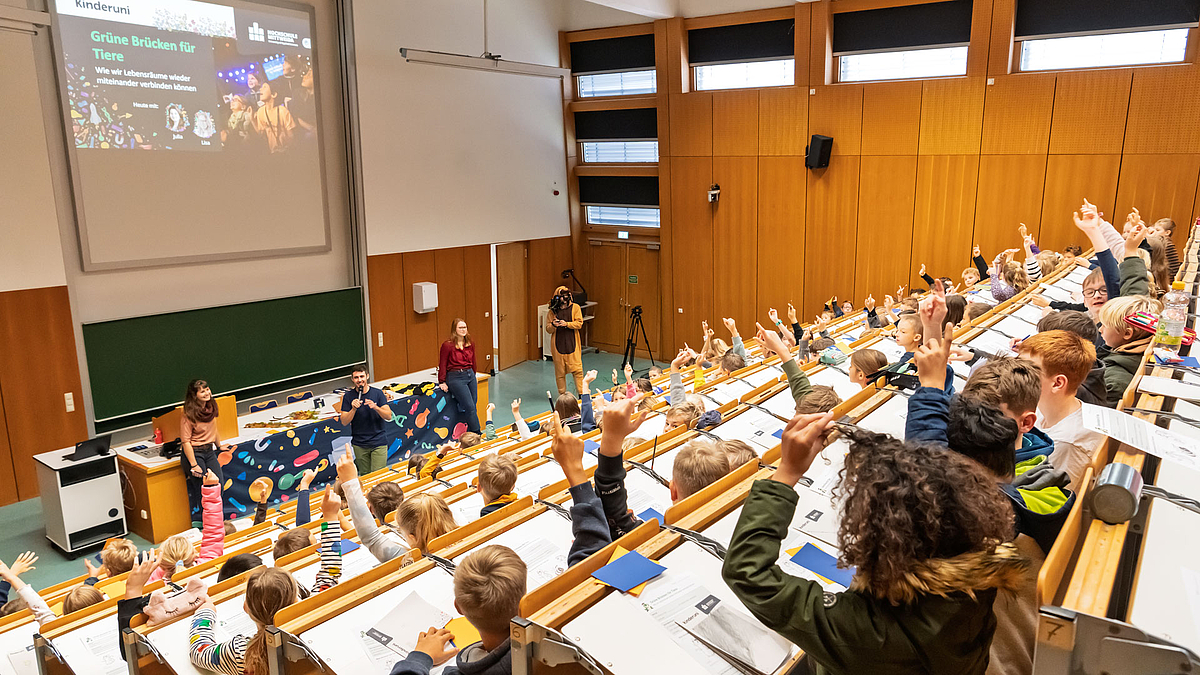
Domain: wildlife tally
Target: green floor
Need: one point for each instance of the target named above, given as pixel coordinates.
(22, 522)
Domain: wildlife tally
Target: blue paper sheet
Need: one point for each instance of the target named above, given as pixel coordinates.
(591, 447)
(651, 513)
(821, 563)
(629, 571)
(348, 546)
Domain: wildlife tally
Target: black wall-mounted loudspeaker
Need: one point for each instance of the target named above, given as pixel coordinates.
(819, 149)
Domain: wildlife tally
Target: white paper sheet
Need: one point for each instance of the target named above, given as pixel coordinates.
(838, 380)
(1059, 294)
(531, 481)
(1015, 327)
(781, 404)
(542, 542)
(398, 629)
(172, 641)
(664, 463)
(732, 390)
(888, 418)
(93, 648)
(888, 346)
(467, 509)
(991, 342)
(643, 492)
(762, 376)
(1165, 386)
(16, 650)
(754, 427)
(1029, 312)
(340, 640)
(1141, 434)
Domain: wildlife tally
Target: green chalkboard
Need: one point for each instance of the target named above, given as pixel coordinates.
(144, 363)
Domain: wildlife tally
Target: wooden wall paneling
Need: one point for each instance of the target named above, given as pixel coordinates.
(8, 478)
(692, 124)
(952, 116)
(891, 118)
(1069, 180)
(1010, 193)
(605, 33)
(692, 244)
(1017, 110)
(608, 333)
(944, 214)
(783, 120)
(547, 259)
(451, 277)
(1159, 119)
(981, 29)
(643, 262)
(886, 198)
(735, 238)
(820, 52)
(678, 70)
(390, 306)
(1160, 186)
(735, 123)
(423, 336)
(1089, 112)
(38, 366)
(802, 36)
(830, 232)
(477, 261)
(662, 79)
(666, 262)
(837, 111)
(514, 304)
(1000, 43)
(782, 186)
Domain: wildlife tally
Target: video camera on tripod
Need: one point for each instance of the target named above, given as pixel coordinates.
(636, 326)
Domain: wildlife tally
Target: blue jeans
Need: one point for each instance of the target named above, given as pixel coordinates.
(464, 388)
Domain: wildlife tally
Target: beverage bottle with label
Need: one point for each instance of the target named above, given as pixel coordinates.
(1169, 333)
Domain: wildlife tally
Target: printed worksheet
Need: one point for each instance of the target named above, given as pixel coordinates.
(888, 418)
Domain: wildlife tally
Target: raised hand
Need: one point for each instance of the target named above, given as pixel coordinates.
(932, 310)
(567, 449)
(773, 316)
(346, 469)
(931, 359)
(922, 272)
(771, 340)
(516, 405)
(307, 478)
(24, 563)
(331, 504)
(1087, 217)
(975, 252)
(589, 377)
(491, 408)
(210, 478)
(680, 359)
(1133, 240)
(803, 439)
(619, 422)
(628, 373)
(792, 318)
(869, 303)
(142, 569)
(1023, 230)
(731, 325)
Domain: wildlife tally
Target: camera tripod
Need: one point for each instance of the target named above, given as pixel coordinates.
(636, 326)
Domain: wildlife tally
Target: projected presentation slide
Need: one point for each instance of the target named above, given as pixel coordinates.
(185, 75)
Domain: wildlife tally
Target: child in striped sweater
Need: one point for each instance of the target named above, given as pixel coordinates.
(268, 590)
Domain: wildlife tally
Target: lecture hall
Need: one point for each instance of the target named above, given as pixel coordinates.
(599, 337)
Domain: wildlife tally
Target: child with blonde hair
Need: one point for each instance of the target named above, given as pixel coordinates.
(177, 552)
(422, 518)
(738, 453)
(1126, 343)
(495, 482)
(81, 597)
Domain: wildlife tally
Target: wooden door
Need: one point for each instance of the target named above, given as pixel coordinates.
(608, 291)
(512, 311)
(641, 284)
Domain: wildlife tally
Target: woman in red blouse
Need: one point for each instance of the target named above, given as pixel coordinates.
(456, 372)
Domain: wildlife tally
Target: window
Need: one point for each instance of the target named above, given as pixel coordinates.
(622, 216)
(910, 41)
(606, 152)
(1098, 51)
(743, 55)
(620, 66)
(618, 84)
(938, 62)
(779, 73)
(1064, 34)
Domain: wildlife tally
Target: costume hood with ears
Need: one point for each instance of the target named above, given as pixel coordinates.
(560, 289)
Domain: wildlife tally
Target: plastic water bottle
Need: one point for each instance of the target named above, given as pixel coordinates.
(1169, 334)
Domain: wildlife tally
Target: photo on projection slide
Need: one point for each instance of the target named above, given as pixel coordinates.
(187, 75)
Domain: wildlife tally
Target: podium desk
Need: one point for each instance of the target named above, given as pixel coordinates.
(81, 500)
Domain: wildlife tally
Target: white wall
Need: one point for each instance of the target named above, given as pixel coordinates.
(690, 8)
(455, 157)
(30, 254)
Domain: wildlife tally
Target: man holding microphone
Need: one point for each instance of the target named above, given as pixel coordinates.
(366, 426)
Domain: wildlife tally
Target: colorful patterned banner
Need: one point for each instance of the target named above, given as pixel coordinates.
(423, 418)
